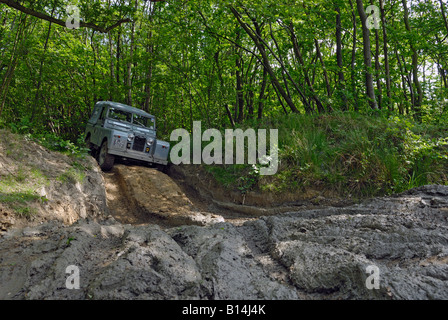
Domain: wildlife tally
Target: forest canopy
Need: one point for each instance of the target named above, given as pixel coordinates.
(296, 65)
(220, 61)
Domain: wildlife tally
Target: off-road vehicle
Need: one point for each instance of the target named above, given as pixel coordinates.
(119, 130)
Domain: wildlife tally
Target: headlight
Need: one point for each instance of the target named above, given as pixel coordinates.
(130, 137)
(149, 141)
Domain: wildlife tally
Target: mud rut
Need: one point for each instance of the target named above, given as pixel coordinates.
(182, 194)
(125, 208)
(124, 203)
(121, 206)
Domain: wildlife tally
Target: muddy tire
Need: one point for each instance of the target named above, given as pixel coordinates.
(105, 160)
(163, 168)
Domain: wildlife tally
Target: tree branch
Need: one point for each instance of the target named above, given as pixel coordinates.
(44, 16)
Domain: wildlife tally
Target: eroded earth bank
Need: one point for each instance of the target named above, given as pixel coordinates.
(137, 233)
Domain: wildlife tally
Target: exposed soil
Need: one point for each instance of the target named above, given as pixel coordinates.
(38, 185)
(138, 233)
(138, 194)
(65, 188)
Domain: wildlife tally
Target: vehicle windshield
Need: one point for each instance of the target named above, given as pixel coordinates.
(144, 121)
(120, 115)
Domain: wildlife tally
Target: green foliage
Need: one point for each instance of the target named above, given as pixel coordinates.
(49, 140)
(242, 178)
(23, 126)
(56, 143)
(348, 153)
(188, 60)
(24, 211)
(20, 197)
(250, 180)
(17, 191)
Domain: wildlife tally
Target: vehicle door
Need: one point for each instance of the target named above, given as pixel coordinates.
(98, 128)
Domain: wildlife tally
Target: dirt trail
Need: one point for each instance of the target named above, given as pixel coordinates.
(312, 254)
(137, 233)
(121, 206)
(140, 195)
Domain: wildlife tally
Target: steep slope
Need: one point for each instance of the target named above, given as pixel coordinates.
(135, 233)
(38, 185)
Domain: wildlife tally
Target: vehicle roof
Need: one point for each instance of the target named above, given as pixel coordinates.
(125, 107)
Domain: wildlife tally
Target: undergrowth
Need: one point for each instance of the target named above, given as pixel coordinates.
(47, 139)
(347, 153)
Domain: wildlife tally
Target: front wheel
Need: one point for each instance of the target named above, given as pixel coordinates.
(105, 160)
(163, 168)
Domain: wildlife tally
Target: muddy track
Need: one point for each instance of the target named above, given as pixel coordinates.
(311, 254)
(181, 236)
(141, 195)
(121, 205)
(138, 194)
(169, 238)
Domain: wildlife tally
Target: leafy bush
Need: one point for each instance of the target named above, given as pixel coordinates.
(55, 143)
(49, 140)
(350, 153)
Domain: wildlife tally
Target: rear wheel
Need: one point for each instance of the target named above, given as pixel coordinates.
(105, 160)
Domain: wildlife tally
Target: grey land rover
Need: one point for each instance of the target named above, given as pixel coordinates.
(116, 129)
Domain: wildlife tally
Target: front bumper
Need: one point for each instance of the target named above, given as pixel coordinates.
(131, 154)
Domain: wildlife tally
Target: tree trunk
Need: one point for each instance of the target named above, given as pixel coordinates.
(92, 72)
(403, 83)
(285, 81)
(39, 83)
(266, 62)
(418, 96)
(353, 74)
(12, 62)
(339, 59)
(378, 70)
(229, 114)
(367, 56)
(118, 56)
(386, 57)
(299, 57)
(324, 69)
(150, 52)
(442, 7)
(112, 68)
(130, 61)
(239, 112)
(15, 5)
(261, 97)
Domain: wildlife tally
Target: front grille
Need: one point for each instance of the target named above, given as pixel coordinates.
(139, 144)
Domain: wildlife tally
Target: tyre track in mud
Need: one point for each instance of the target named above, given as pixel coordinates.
(141, 195)
(122, 203)
(125, 208)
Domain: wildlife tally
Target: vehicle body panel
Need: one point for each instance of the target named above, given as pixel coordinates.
(127, 136)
